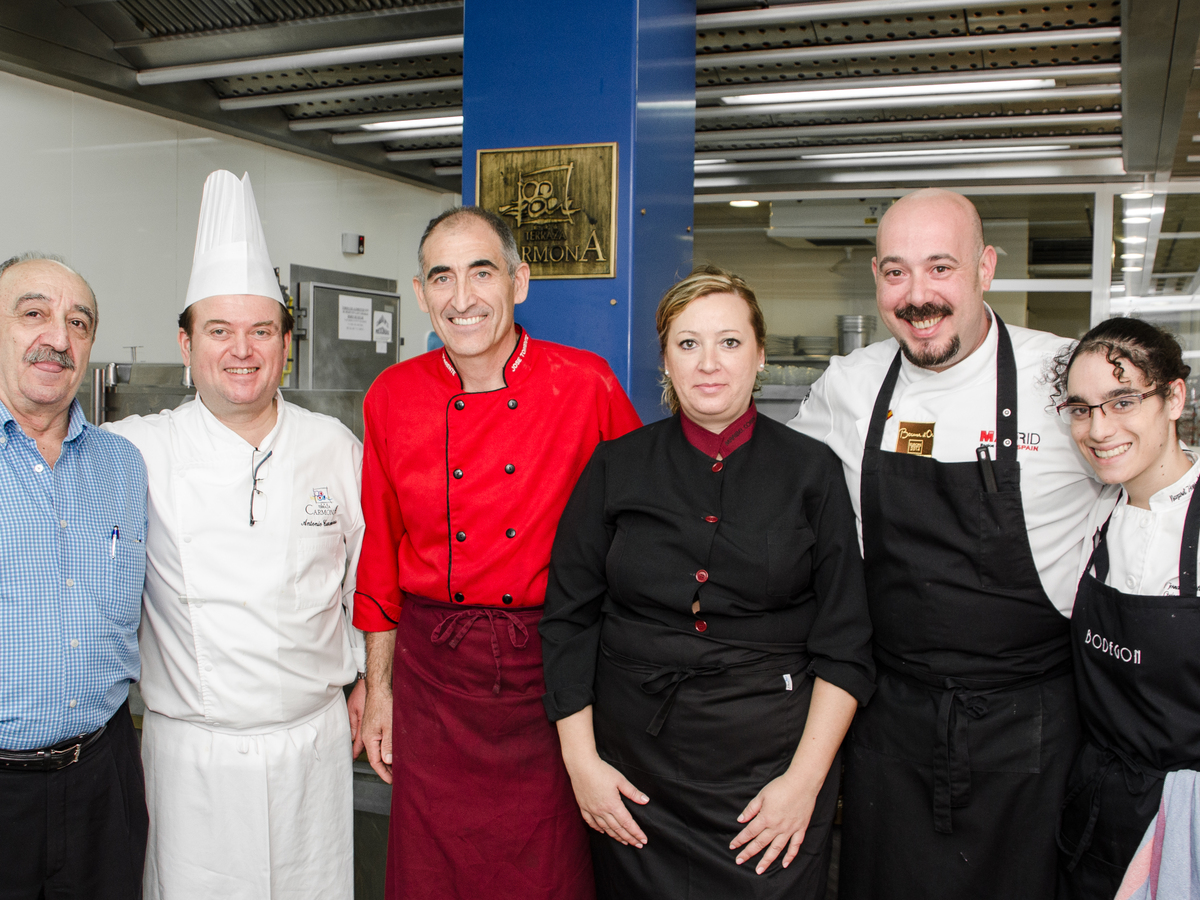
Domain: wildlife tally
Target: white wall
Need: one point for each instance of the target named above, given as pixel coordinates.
(116, 192)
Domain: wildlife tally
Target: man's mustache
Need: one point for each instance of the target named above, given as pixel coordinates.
(920, 313)
(49, 354)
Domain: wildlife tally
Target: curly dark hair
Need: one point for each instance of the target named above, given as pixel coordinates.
(1154, 352)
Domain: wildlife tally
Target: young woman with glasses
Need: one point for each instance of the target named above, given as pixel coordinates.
(1136, 621)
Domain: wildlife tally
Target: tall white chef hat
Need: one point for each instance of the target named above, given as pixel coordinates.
(231, 250)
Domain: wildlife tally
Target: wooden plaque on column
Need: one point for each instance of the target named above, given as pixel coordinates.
(561, 203)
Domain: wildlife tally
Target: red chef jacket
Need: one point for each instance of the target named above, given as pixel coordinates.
(462, 492)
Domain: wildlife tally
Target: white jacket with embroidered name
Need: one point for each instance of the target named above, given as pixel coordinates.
(247, 627)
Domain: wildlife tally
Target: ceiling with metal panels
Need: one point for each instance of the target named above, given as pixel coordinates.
(789, 96)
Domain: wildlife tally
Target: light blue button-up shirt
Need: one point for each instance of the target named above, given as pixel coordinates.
(72, 561)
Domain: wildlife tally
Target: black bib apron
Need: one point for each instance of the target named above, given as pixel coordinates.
(954, 770)
(1137, 671)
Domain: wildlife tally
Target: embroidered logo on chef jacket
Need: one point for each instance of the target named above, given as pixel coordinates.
(1187, 490)
(1116, 651)
(321, 504)
(1026, 440)
(915, 438)
(1172, 589)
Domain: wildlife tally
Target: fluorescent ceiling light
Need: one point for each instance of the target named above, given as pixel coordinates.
(743, 204)
(1138, 195)
(1131, 268)
(710, 162)
(942, 151)
(399, 124)
(1132, 239)
(1118, 287)
(1135, 220)
(1133, 256)
(906, 90)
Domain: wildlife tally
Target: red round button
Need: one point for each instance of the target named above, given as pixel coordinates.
(718, 466)
(701, 626)
(701, 576)
(710, 518)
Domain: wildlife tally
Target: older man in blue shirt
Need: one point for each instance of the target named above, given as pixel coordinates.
(72, 560)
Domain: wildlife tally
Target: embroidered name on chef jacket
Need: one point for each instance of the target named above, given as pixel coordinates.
(1116, 651)
(322, 507)
(915, 438)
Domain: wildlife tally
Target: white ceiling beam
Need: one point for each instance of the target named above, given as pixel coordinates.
(803, 12)
(1079, 92)
(947, 158)
(1094, 70)
(326, 95)
(332, 123)
(1078, 140)
(337, 56)
(906, 126)
(904, 48)
(404, 134)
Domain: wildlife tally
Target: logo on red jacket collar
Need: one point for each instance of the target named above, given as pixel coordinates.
(1026, 440)
(449, 365)
(520, 357)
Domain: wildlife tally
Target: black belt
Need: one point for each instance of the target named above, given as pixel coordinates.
(52, 758)
(951, 760)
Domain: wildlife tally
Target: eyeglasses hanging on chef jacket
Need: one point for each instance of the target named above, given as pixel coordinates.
(255, 493)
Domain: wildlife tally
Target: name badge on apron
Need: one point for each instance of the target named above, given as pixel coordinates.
(915, 438)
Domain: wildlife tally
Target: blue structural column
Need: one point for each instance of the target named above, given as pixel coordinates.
(551, 72)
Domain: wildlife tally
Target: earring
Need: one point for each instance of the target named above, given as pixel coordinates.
(666, 374)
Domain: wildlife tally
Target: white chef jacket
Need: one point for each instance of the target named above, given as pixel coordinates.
(1058, 489)
(247, 628)
(1143, 544)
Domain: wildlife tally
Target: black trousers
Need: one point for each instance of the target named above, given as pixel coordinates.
(78, 833)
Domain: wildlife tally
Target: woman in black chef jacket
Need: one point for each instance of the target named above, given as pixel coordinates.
(1135, 628)
(706, 636)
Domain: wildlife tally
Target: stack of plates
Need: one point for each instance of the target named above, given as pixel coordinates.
(779, 345)
(813, 345)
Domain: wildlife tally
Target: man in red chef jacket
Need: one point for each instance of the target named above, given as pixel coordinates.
(470, 454)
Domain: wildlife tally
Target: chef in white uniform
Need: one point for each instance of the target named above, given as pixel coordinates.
(253, 539)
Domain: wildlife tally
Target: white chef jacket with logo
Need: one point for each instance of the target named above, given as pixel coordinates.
(1143, 544)
(1058, 490)
(246, 643)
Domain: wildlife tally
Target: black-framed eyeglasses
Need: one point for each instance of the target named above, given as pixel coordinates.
(254, 491)
(1115, 406)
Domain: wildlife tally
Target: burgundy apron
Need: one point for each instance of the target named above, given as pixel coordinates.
(955, 767)
(482, 806)
(1139, 696)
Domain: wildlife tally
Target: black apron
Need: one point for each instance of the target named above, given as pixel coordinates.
(954, 770)
(701, 727)
(1138, 675)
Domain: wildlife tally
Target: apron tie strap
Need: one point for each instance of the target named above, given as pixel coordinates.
(454, 627)
(1093, 784)
(1134, 774)
(669, 679)
(951, 758)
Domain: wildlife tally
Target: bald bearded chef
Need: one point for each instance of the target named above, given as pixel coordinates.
(471, 454)
(246, 643)
(972, 510)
